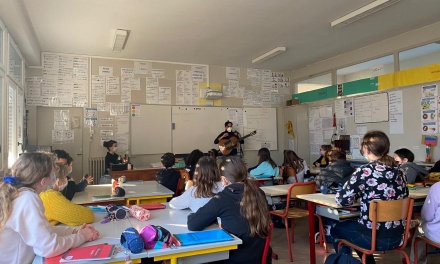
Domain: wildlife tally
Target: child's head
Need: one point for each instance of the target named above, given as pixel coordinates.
(233, 170)
(168, 160)
(32, 170)
(64, 158)
(324, 149)
(206, 175)
(403, 155)
(336, 154)
(375, 142)
(111, 145)
(213, 153)
(290, 157)
(193, 157)
(61, 171)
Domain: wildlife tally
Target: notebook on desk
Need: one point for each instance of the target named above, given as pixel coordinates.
(202, 237)
(152, 206)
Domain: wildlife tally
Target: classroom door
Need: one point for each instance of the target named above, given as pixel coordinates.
(58, 118)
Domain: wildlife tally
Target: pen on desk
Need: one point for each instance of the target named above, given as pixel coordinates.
(219, 221)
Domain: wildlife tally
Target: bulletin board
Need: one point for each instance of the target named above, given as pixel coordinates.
(371, 108)
(150, 129)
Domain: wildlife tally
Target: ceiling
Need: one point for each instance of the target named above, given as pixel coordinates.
(213, 32)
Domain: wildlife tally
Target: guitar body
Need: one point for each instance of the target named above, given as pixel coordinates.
(227, 145)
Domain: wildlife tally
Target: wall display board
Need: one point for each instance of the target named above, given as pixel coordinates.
(264, 121)
(371, 108)
(150, 129)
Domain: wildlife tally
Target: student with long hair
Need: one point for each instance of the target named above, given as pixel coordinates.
(207, 184)
(190, 166)
(242, 210)
(299, 165)
(266, 166)
(323, 160)
(24, 230)
(58, 209)
(372, 181)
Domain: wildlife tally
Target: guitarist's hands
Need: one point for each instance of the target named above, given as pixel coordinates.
(223, 136)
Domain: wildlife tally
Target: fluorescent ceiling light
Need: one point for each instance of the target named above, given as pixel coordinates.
(121, 37)
(269, 54)
(362, 12)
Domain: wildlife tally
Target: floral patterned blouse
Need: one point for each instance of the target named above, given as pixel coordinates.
(374, 181)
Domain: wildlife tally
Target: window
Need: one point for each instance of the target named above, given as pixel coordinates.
(2, 48)
(2, 79)
(420, 56)
(15, 63)
(366, 69)
(12, 125)
(314, 83)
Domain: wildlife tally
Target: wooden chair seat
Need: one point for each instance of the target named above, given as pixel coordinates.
(293, 213)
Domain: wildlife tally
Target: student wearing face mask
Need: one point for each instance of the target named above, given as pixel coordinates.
(228, 134)
(111, 157)
(64, 158)
(57, 208)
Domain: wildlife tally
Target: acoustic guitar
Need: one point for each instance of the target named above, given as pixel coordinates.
(227, 145)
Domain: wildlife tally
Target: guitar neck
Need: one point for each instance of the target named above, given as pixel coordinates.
(248, 135)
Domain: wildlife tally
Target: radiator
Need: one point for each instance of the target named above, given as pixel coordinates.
(96, 168)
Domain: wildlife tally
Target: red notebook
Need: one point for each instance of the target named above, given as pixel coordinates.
(95, 252)
(152, 206)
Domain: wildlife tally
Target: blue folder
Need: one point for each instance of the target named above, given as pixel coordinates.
(202, 237)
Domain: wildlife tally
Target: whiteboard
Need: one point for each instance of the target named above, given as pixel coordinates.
(151, 130)
(264, 121)
(197, 127)
(371, 108)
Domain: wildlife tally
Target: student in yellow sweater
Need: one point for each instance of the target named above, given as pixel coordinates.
(58, 209)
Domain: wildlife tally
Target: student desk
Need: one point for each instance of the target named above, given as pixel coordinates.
(175, 222)
(329, 200)
(135, 192)
(147, 174)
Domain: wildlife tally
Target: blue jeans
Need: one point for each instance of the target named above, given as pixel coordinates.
(349, 230)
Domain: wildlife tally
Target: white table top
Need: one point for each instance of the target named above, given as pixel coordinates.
(173, 220)
(329, 199)
(132, 190)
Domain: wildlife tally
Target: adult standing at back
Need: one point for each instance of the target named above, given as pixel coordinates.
(227, 135)
(111, 157)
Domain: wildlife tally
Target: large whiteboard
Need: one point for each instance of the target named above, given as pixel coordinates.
(371, 108)
(264, 121)
(151, 131)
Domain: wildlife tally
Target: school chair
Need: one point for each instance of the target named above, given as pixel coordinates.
(267, 245)
(322, 235)
(427, 242)
(385, 211)
(294, 212)
(184, 174)
(289, 171)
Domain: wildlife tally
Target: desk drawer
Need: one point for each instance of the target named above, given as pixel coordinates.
(336, 214)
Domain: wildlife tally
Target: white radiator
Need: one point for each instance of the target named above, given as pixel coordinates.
(96, 168)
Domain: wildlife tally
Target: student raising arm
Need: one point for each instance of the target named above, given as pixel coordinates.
(243, 211)
(24, 230)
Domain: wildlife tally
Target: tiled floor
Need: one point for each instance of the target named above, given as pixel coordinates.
(300, 248)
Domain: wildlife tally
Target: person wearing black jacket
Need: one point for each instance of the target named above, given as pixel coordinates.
(168, 176)
(337, 172)
(228, 134)
(241, 209)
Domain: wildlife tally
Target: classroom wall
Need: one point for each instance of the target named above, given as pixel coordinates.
(92, 146)
(411, 138)
(393, 45)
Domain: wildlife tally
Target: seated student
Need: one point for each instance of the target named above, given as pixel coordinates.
(64, 158)
(190, 166)
(214, 153)
(292, 160)
(266, 166)
(430, 222)
(337, 172)
(323, 161)
(377, 181)
(413, 172)
(206, 184)
(24, 230)
(58, 209)
(111, 157)
(388, 160)
(168, 176)
(242, 210)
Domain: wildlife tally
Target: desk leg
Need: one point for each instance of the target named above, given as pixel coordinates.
(311, 207)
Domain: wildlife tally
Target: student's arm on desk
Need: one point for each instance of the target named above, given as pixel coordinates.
(182, 201)
(432, 202)
(203, 217)
(351, 189)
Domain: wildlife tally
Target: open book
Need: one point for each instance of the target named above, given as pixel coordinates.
(94, 252)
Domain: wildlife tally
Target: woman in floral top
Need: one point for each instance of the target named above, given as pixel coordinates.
(373, 181)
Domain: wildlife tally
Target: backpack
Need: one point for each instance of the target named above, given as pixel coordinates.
(341, 258)
(131, 240)
(155, 237)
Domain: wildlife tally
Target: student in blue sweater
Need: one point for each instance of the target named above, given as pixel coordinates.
(266, 166)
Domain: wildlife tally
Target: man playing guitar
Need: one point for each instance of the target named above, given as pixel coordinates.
(225, 135)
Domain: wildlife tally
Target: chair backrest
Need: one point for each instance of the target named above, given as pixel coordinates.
(267, 245)
(184, 175)
(301, 188)
(393, 210)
